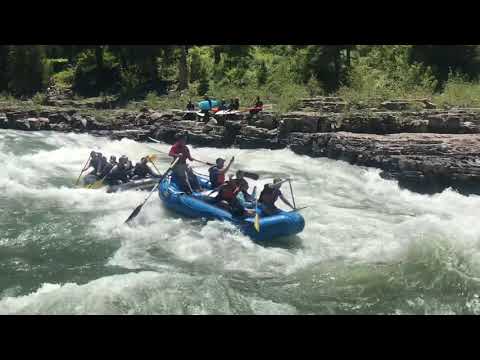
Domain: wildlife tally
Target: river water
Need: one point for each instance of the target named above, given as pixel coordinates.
(368, 247)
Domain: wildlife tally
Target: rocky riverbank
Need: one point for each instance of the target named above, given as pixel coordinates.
(425, 149)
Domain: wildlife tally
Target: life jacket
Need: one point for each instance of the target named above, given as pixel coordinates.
(118, 173)
(216, 178)
(269, 196)
(230, 191)
(141, 170)
(106, 169)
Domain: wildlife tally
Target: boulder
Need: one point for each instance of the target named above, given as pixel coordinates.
(299, 122)
(425, 163)
(3, 121)
(251, 137)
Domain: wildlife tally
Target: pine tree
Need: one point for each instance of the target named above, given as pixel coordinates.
(27, 73)
(3, 68)
(183, 68)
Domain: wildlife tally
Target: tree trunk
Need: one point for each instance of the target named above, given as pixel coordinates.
(99, 61)
(336, 60)
(217, 51)
(183, 69)
(348, 57)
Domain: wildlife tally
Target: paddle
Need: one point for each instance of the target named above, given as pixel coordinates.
(291, 192)
(256, 223)
(298, 209)
(139, 207)
(247, 174)
(97, 184)
(150, 158)
(83, 170)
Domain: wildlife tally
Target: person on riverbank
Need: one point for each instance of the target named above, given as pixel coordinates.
(269, 196)
(217, 172)
(257, 107)
(190, 106)
(236, 104)
(206, 98)
(182, 172)
(231, 105)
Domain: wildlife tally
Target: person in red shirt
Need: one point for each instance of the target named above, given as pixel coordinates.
(182, 172)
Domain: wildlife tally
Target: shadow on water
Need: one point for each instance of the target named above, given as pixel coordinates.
(288, 242)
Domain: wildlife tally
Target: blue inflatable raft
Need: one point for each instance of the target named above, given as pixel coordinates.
(197, 206)
(205, 105)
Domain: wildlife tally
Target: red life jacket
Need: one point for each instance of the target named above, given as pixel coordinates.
(229, 192)
(216, 177)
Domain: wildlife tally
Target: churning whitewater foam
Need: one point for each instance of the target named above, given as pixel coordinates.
(355, 220)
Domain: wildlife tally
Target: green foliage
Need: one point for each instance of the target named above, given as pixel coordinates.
(384, 72)
(129, 81)
(64, 79)
(27, 69)
(4, 49)
(262, 73)
(57, 65)
(40, 99)
(314, 87)
(152, 100)
(464, 59)
(279, 74)
(91, 78)
(459, 91)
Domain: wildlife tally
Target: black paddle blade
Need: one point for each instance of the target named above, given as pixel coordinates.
(250, 175)
(134, 214)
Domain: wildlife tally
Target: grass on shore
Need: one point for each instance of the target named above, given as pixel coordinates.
(457, 92)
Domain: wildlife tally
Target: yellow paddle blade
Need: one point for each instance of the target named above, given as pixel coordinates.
(256, 224)
(152, 157)
(96, 185)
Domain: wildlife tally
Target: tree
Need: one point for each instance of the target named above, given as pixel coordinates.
(183, 68)
(3, 67)
(27, 73)
(444, 58)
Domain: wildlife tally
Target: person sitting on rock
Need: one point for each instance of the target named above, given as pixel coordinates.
(231, 106)
(206, 98)
(236, 104)
(223, 106)
(217, 172)
(182, 173)
(270, 194)
(142, 170)
(190, 106)
(257, 107)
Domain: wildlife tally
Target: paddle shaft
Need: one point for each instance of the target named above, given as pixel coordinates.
(248, 174)
(137, 210)
(291, 191)
(298, 209)
(83, 170)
